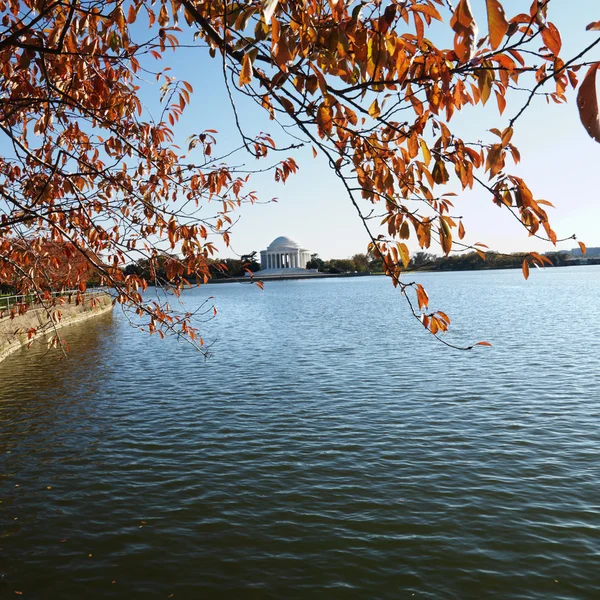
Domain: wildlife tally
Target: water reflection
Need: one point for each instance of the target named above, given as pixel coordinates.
(328, 449)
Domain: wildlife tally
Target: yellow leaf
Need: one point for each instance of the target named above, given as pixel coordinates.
(587, 102)
(246, 72)
(582, 247)
(497, 24)
(445, 236)
(485, 79)
(461, 231)
(426, 153)
(404, 254)
(374, 109)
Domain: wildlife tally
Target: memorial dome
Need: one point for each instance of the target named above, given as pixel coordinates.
(283, 242)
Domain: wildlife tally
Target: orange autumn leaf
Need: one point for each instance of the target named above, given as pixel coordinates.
(497, 23)
(246, 71)
(404, 254)
(465, 28)
(552, 39)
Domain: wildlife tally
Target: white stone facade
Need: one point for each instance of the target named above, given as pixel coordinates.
(283, 256)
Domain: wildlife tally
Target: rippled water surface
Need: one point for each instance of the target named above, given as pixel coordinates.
(329, 449)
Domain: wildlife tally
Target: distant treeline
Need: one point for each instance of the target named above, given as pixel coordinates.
(470, 261)
(218, 268)
(359, 263)
(424, 261)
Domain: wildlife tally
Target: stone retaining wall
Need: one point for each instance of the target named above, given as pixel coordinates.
(13, 332)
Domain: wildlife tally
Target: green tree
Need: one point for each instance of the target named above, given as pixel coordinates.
(315, 263)
(361, 263)
(422, 259)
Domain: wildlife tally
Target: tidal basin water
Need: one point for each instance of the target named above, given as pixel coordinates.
(329, 448)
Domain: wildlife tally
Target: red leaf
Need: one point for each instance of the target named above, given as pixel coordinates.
(525, 268)
(587, 102)
(131, 14)
(551, 37)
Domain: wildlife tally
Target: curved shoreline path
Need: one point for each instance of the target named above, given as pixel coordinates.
(14, 332)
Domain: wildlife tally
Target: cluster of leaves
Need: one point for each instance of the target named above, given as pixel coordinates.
(375, 95)
(88, 179)
(84, 165)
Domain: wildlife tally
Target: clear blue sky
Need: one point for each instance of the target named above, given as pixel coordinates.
(559, 161)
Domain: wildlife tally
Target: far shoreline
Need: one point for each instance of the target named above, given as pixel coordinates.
(257, 277)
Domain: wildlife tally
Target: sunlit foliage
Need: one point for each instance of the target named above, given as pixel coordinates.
(372, 86)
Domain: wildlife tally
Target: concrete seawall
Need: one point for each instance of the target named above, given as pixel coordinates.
(13, 332)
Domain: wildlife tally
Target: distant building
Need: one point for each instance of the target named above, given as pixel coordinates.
(577, 252)
(588, 253)
(284, 256)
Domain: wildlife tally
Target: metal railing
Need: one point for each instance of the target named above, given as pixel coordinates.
(33, 300)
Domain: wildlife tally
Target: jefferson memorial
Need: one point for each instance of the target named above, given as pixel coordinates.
(284, 256)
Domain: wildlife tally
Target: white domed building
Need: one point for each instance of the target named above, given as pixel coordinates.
(284, 256)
